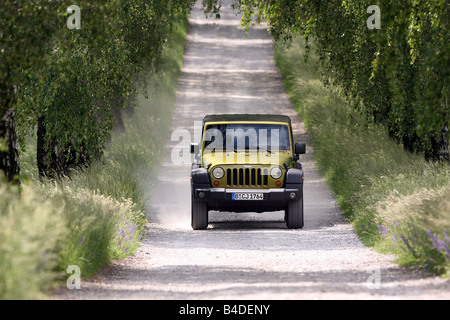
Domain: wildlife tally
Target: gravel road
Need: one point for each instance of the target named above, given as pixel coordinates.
(246, 256)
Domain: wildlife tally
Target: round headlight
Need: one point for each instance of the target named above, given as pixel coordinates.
(276, 173)
(218, 173)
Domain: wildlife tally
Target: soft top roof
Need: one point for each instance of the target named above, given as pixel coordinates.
(246, 117)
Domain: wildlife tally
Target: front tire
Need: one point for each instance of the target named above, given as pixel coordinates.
(199, 215)
(294, 215)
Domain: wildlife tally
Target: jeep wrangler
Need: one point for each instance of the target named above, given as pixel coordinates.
(247, 163)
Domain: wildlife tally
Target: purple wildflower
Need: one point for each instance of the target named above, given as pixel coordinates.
(382, 230)
(408, 245)
(81, 240)
(441, 244)
(121, 232)
(125, 249)
(445, 236)
(433, 239)
(443, 247)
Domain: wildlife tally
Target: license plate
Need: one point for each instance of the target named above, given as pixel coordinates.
(247, 196)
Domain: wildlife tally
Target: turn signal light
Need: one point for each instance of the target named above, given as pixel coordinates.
(278, 184)
(216, 183)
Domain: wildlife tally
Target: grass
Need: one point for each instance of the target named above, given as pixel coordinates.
(98, 215)
(31, 228)
(398, 202)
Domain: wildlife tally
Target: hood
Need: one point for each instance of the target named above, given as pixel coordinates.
(247, 157)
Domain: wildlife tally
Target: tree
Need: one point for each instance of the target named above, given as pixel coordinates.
(398, 74)
(85, 73)
(24, 31)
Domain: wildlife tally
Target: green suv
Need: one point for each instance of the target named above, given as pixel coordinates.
(247, 163)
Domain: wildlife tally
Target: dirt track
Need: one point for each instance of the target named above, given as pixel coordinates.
(246, 256)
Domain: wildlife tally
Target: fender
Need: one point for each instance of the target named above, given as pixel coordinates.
(294, 177)
(200, 178)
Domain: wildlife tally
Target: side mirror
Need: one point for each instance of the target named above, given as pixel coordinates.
(194, 148)
(300, 148)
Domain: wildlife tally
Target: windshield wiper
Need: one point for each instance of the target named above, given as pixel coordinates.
(235, 150)
(228, 150)
(269, 151)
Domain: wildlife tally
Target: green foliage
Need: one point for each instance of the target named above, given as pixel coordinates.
(97, 215)
(72, 80)
(95, 228)
(383, 190)
(398, 75)
(25, 30)
(31, 228)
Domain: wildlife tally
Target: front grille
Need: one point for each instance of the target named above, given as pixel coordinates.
(247, 177)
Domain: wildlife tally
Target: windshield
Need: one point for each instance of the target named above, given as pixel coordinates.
(237, 137)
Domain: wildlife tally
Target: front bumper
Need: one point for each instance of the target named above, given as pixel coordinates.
(222, 199)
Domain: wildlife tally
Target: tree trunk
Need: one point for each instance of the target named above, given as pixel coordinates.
(51, 161)
(443, 152)
(41, 155)
(9, 155)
